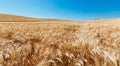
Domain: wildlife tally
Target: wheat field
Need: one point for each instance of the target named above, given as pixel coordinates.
(59, 43)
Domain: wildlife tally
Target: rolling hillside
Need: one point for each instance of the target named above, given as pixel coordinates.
(64, 43)
(15, 18)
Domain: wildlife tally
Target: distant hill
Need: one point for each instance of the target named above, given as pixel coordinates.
(112, 20)
(15, 18)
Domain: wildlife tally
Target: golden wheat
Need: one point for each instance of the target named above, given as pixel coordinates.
(38, 42)
(56, 44)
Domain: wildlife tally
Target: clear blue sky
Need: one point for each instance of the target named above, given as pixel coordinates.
(62, 9)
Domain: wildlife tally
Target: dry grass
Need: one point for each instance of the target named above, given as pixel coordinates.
(14, 18)
(59, 44)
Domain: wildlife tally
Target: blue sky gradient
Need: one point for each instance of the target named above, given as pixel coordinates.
(62, 9)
